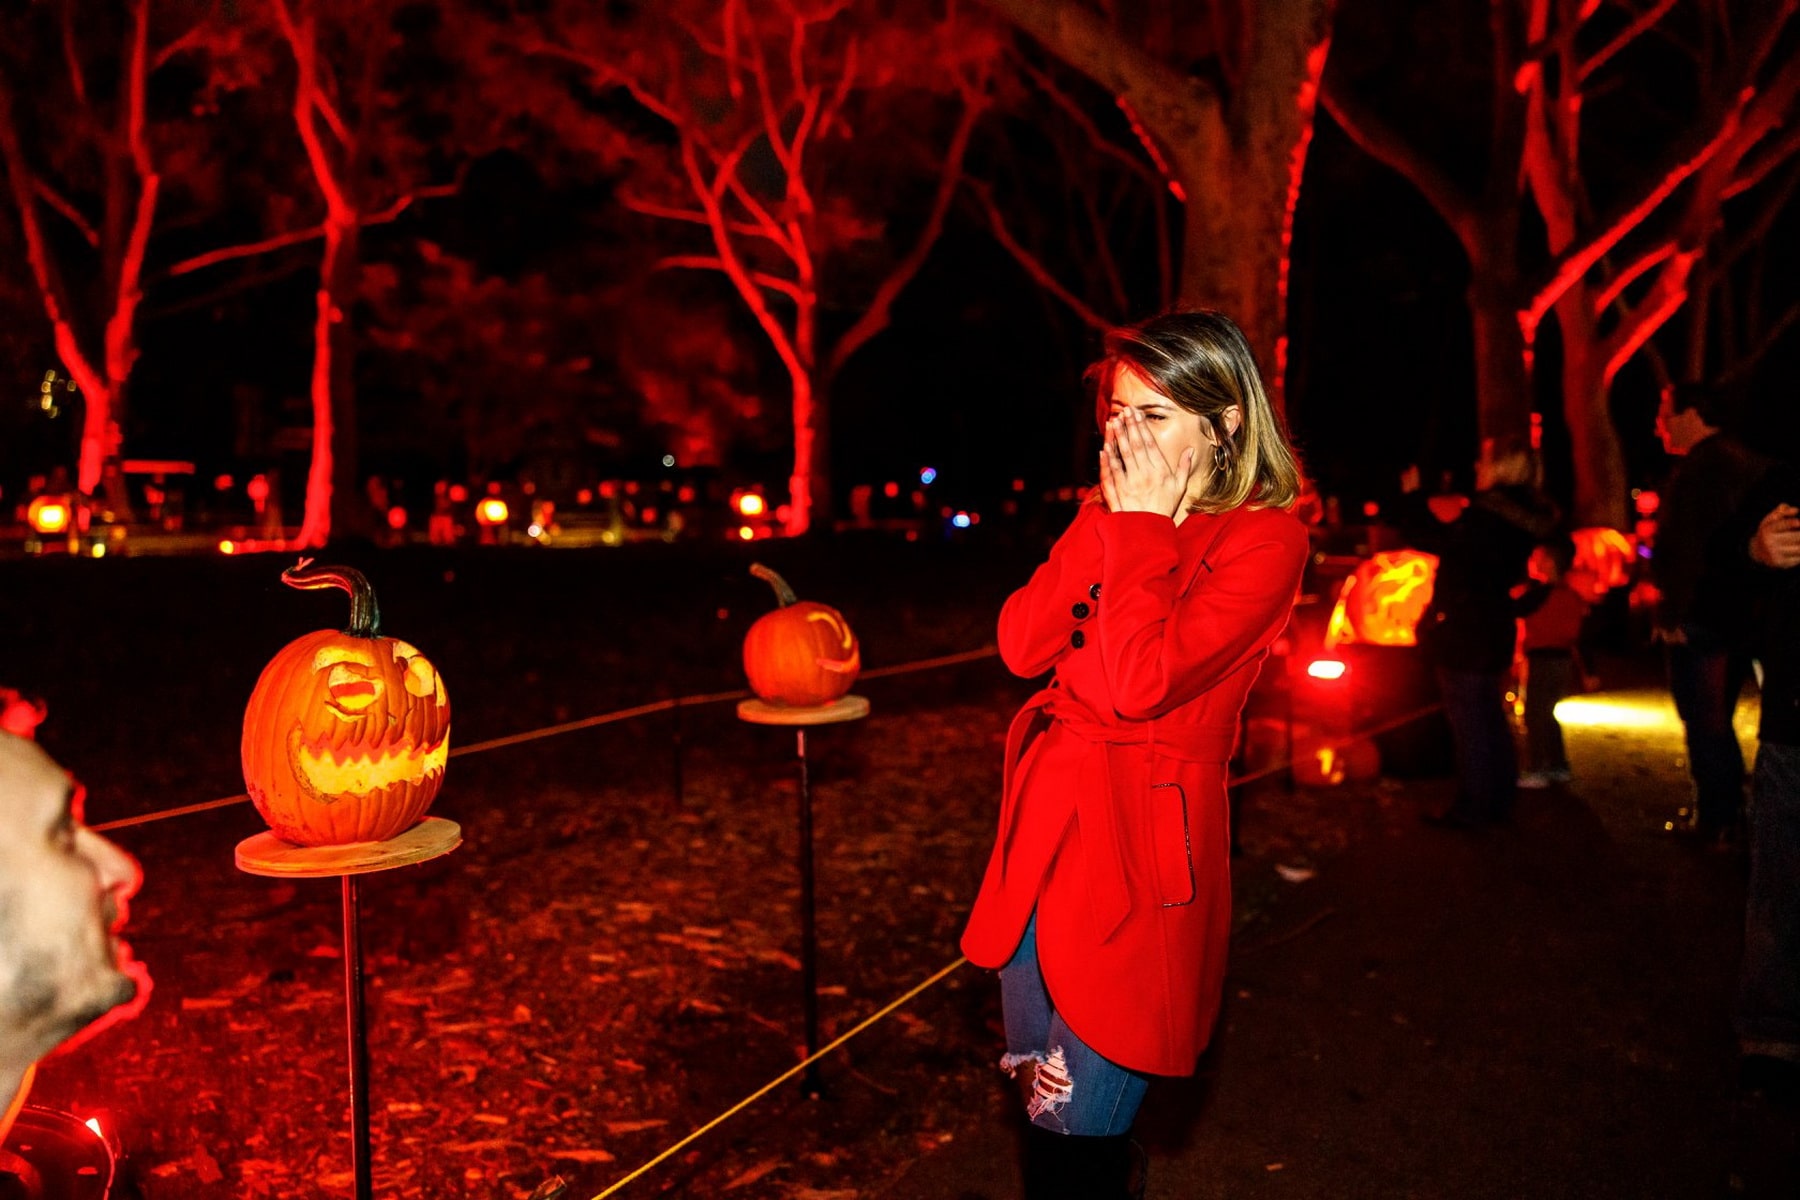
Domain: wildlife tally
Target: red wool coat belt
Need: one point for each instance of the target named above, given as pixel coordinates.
(1113, 821)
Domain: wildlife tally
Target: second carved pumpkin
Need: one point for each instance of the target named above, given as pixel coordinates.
(802, 654)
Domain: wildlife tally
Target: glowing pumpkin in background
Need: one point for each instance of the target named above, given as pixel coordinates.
(1606, 555)
(802, 654)
(1381, 602)
(347, 734)
(1321, 761)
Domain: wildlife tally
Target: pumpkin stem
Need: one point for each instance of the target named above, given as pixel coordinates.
(783, 593)
(365, 613)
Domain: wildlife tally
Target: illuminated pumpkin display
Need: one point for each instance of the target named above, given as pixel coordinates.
(1331, 762)
(802, 654)
(1381, 602)
(1605, 554)
(347, 734)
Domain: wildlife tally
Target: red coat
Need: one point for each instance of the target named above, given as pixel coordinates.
(1113, 821)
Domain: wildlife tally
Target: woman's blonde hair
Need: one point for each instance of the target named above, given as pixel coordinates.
(1202, 362)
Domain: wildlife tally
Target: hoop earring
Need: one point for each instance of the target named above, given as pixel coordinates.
(1221, 456)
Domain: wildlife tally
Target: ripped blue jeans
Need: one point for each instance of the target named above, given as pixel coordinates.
(1077, 1091)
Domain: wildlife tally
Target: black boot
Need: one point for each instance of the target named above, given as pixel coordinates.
(1061, 1166)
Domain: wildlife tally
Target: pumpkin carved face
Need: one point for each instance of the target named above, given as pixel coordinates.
(1606, 556)
(1381, 602)
(347, 735)
(802, 654)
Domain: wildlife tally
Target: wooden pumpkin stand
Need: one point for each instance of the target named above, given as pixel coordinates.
(800, 659)
(341, 786)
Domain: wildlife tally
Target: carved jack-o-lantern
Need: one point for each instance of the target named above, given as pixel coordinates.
(1329, 762)
(802, 654)
(347, 734)
(1381, 602)
(1604, 554)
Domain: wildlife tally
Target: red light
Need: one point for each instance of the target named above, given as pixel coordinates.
(491, 511)
(685, 495)
(458, 493)
(1371, 509)
(890, 490)
(1647, 502)
(650, 515)
(752, 505)
(1326, 668)
(49, 515)
(396, 518)
(258, 488)
(609, 489)
(746, 533)
(222, 483)
(584, 496)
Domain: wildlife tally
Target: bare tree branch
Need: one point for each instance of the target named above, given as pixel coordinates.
(1034, 266)
(1378, 140)
(876, 316)
(1643, 22)
(70, 213)
(713, 262)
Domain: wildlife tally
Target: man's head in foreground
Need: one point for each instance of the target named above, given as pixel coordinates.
(63, 890)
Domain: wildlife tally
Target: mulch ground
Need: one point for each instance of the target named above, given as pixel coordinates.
(601, 967)
(604, 966)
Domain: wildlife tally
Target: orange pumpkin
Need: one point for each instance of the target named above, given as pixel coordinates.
(1606, 554)
(1381, 602)
(347, 734)
(802, 654)
(1329, 762)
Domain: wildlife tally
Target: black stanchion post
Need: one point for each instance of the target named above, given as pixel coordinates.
(680, 781)
(1287, 666)
(809, 967)
(359, 1042)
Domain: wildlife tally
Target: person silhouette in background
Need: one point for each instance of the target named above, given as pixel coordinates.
(1768, 1006)
(63, 891)
(1699, 616)
(1554, 608)
(1469, 629)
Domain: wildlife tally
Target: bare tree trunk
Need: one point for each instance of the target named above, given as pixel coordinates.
(1599, 461)
(1239, 168)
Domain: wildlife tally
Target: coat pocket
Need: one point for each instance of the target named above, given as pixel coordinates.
(1171, 836)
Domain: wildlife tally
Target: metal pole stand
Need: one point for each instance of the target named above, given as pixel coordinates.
(266, 854)
(760, 712)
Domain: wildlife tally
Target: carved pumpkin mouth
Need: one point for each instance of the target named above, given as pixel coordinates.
(331, 771)
(838, 666)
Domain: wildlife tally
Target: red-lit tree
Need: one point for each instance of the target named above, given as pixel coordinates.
(1221, 96)
(368, 166)
(1610, 304)
(783, 136)
(1068, 189)
(81, 159)
(1619, 252)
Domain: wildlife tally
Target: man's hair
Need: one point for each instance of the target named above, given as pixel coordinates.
(1713, 403)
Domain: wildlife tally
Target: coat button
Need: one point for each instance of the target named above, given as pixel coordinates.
(1078, 639)
(1081, 611)
(1094, 592)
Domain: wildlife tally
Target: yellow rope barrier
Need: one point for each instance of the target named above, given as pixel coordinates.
(533, 735)
(770, 1086)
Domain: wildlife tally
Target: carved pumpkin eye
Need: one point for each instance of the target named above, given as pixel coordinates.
(352, 689)
(421, 678)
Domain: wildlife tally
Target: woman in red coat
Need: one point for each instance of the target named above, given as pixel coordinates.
(1106, 904)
